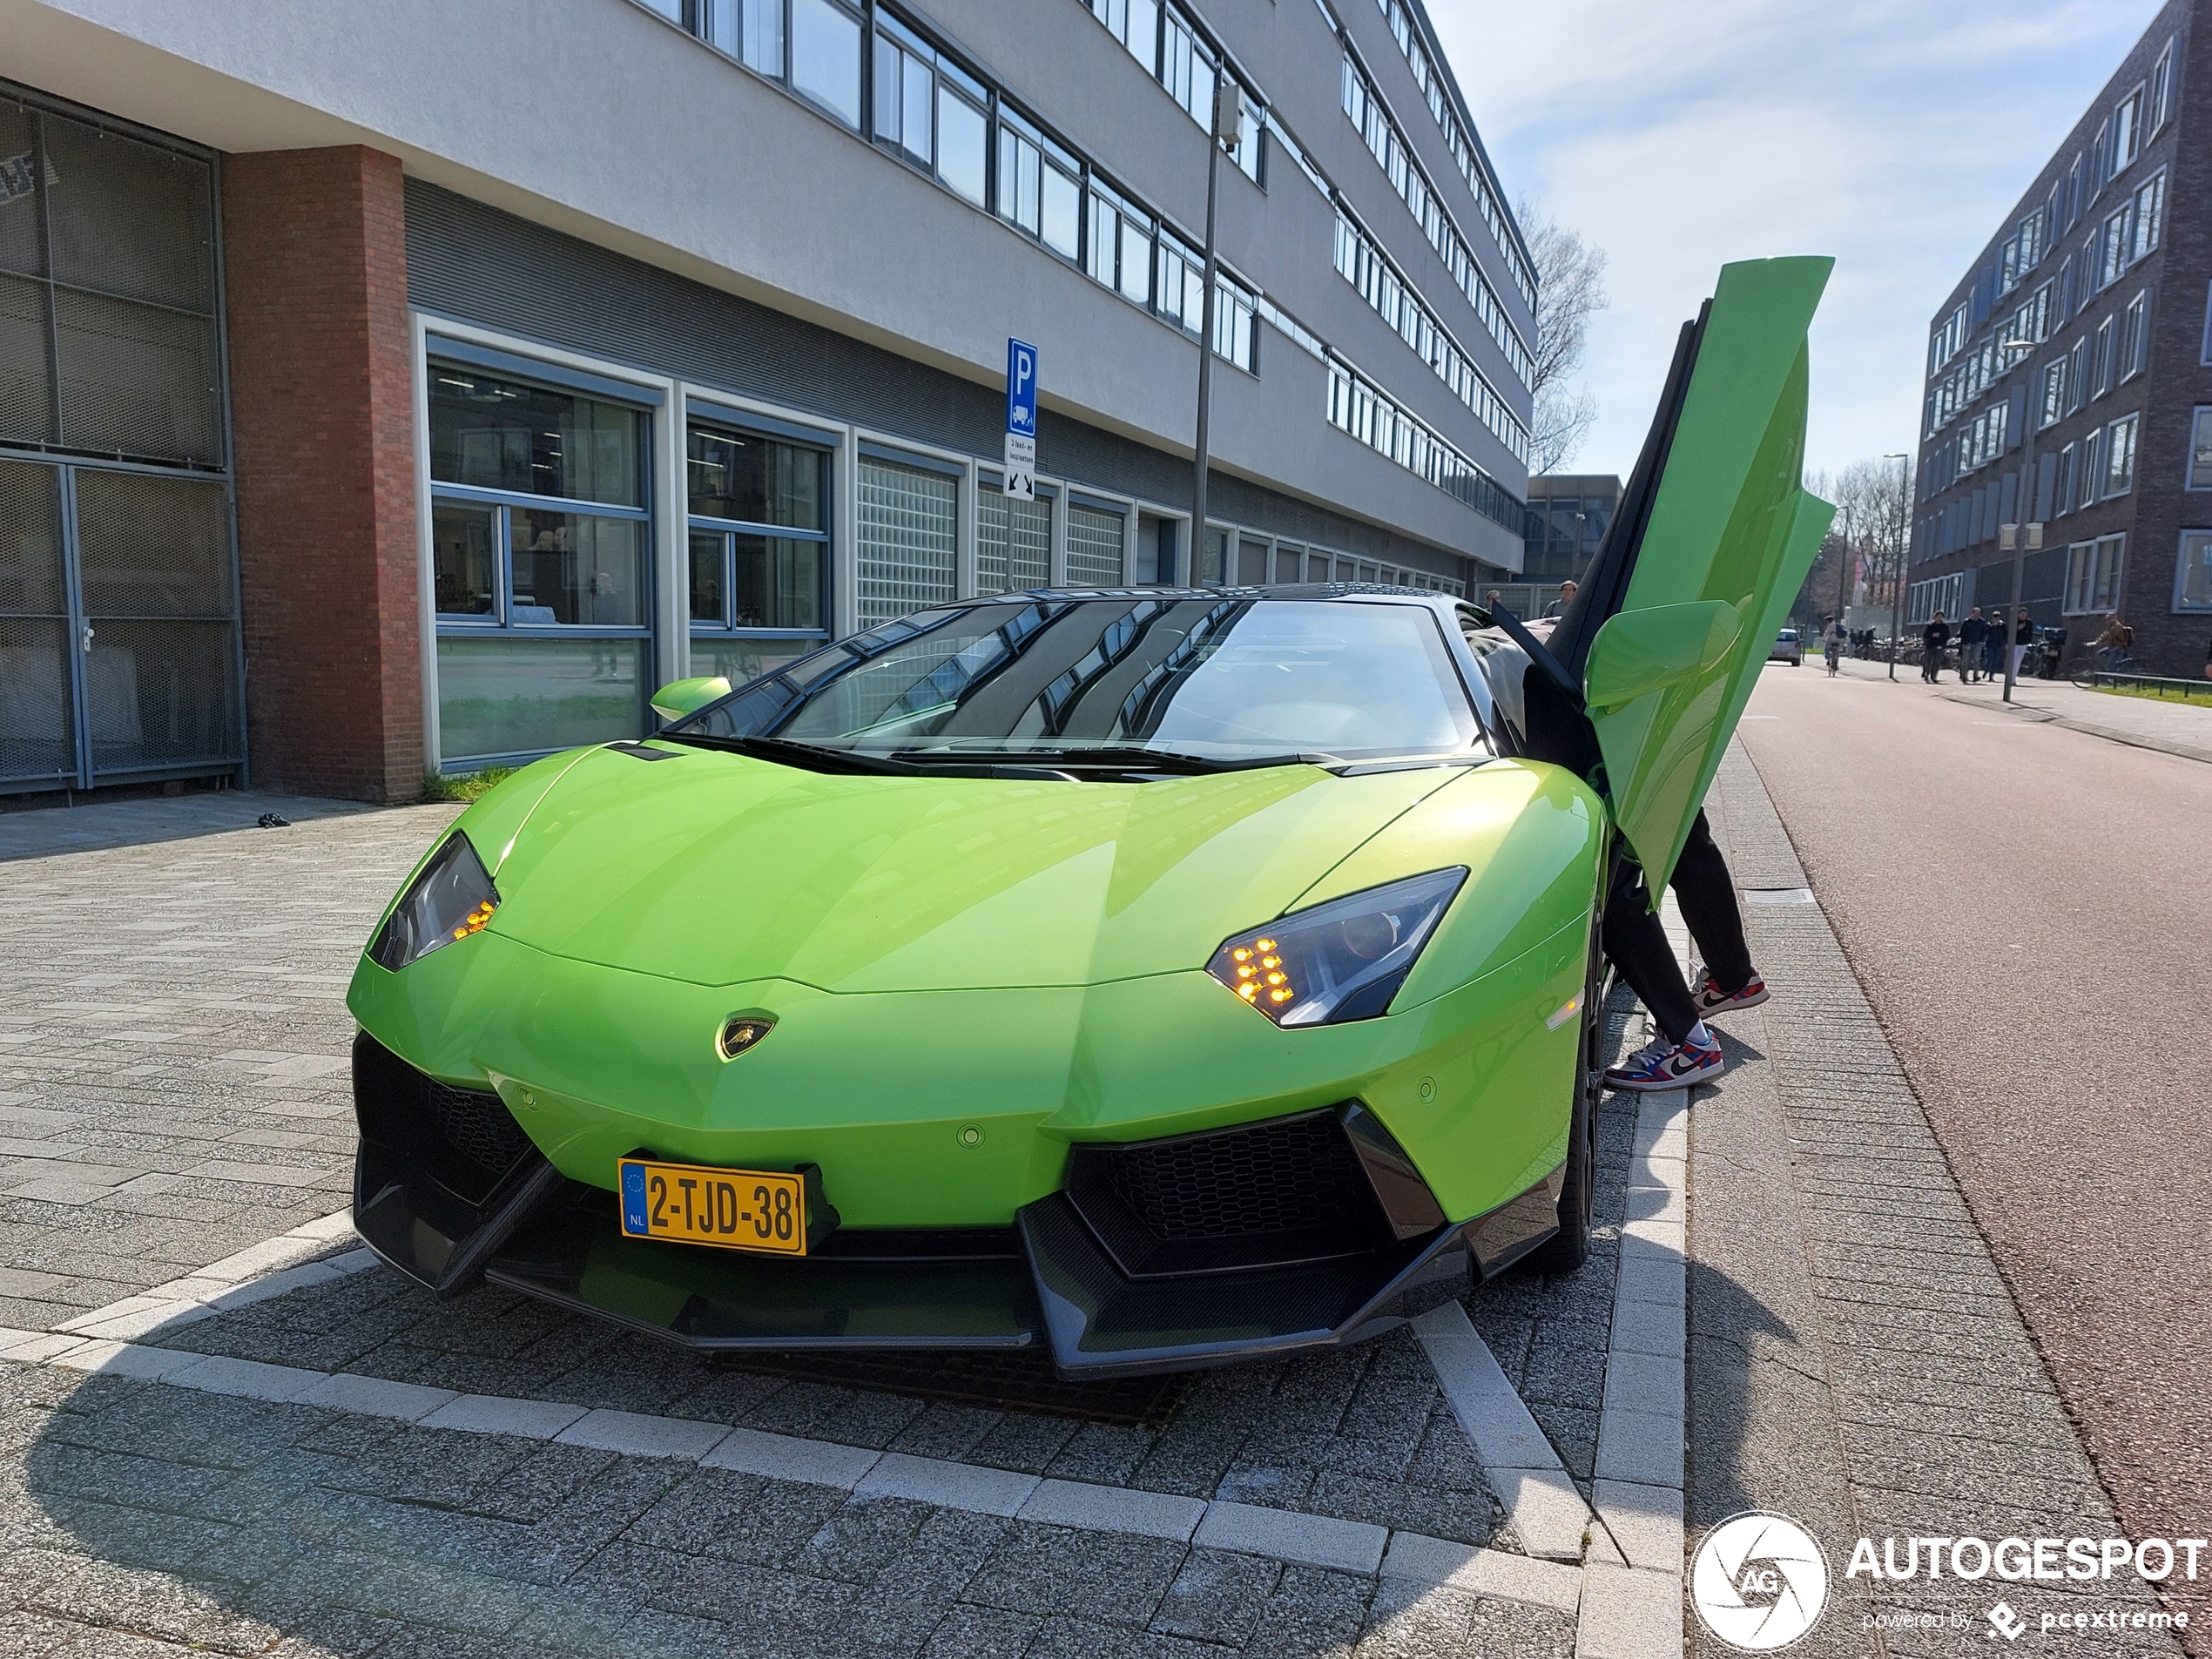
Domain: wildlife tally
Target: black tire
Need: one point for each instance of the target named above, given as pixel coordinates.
(1569, 1247)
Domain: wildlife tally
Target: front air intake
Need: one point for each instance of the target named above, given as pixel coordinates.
(1286, 1190)
(465, 1139)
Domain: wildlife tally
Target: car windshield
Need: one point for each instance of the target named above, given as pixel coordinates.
(1229, 678)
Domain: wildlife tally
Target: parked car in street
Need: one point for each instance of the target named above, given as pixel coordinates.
(1164, 976)
(1787, 648)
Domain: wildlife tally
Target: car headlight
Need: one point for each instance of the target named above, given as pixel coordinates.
(452, 898)
(1340, 960)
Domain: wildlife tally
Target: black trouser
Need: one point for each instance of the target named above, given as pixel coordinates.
(1637, 944)
(1932, 664)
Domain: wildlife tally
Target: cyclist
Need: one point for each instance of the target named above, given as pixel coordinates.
(2114, 644)
(1831, 643)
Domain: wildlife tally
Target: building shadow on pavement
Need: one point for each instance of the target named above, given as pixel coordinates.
(100, 826)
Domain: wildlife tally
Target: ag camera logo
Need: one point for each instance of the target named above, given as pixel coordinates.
(1758, 1581)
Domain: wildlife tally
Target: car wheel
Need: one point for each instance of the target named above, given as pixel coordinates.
(1569, 1247)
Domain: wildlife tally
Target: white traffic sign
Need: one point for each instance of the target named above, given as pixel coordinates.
(1021, 467)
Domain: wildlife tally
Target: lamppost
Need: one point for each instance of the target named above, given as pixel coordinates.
(1897, 568)
(1227, 110)
(2026, 528)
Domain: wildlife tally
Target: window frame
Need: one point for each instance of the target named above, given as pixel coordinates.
(502, 504)
(2182, 605)
(824, 450)
(2197, 477)
(2135, 336)
(2127, 426)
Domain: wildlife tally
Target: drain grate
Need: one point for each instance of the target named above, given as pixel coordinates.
(1020, 1379)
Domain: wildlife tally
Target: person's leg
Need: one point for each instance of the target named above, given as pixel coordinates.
(1637, 944)
(1706, 893)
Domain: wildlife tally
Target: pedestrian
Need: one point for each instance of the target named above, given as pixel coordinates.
(1557, 608)
(1933, 638)
(1686, 1050)
(2023, 636)
(1493, 599)
(1973, 641)
(1993, 650)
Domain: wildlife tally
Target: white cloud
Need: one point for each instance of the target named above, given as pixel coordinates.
(1892, 134)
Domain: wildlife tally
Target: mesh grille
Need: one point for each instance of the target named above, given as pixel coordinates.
(152, 547)
(136, 381)
(131, 218)
(1094, 549)
(909, 522)
(31, 542)
(19, 239)
(162, 694)
(476, 1125)
(34, 724)
(1290, 1174)
(26, 364)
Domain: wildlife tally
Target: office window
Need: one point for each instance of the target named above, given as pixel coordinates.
(1186, 67)
(2119, 456)
(2105, 357)
(2111, 565)
(2135, 336)
(2161, 88)
(2062, 305)
(1179, 284)
(2200, 470)
(906, 87)
(909, 525)
(759, 549)
(539, 570)
(2127, 130)
(2085, 289)
(2054, 394)
(2117, 235)
(1136, 23)
(1020, 201)
(751, 30)
(2100, 157)
(2193, 572)
(2074, 194)
(1013, 540)
(2149, 212)
(2080, 577)
(2077, 374)
(2084, 482)
(962, 125)
(2062, 489)
(1233, 309)
(825, 56)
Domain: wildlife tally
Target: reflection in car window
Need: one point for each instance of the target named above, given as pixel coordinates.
(1227, 676)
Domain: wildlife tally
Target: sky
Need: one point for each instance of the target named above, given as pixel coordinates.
(1681, 134)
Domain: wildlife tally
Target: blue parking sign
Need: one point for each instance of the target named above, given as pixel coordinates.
(1022, 388)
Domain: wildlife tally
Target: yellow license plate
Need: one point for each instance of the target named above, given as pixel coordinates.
(760, 1210)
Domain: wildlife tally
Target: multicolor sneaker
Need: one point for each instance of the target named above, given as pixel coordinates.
(1710, 998)
(1661, 1064)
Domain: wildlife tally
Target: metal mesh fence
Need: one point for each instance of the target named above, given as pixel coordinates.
(161, 694)
(130, 220)
(35, 723)
(152, 547)
(26, 362)
(136, 381)
(37, 737)
(20, 242)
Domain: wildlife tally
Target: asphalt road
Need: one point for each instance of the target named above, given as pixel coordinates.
(2029, 911)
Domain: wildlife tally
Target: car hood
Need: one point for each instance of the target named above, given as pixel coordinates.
(717, 868)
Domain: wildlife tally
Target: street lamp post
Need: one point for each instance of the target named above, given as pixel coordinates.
(1897, 568)
(1227, 110)
(2019, 350)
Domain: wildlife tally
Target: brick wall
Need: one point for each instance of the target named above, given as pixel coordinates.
(315, 245)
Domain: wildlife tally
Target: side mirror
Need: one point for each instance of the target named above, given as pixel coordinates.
(1641, 651)
(679, 697)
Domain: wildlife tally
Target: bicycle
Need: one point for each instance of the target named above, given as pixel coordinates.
(1834, 652)
(2105, 659)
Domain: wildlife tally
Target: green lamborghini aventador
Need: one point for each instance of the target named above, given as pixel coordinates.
(1167, 976)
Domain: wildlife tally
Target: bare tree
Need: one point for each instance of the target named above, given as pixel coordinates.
(1570, 290)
